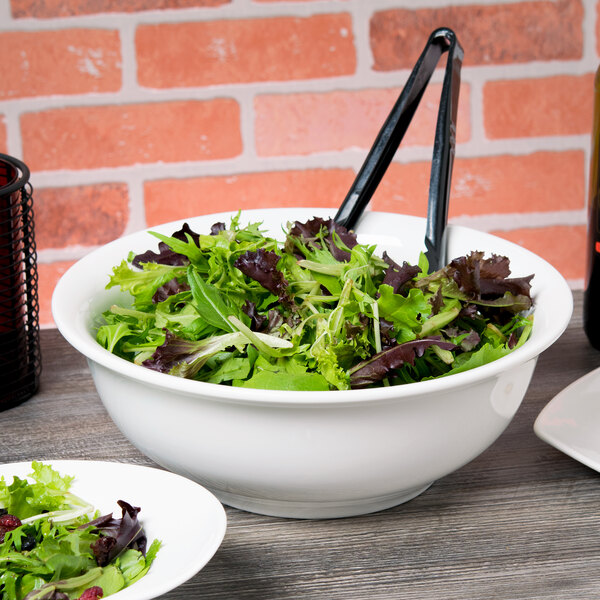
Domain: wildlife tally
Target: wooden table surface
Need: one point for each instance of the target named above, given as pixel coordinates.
(522, 521)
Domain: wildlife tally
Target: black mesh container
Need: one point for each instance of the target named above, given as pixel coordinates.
(20, 356)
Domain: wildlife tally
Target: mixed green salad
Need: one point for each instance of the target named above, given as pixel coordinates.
(55, 546)
(318, 311)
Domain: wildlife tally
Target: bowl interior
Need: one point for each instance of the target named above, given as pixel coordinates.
(80, 296)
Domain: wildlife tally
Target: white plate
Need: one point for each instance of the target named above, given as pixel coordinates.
(571, 420)
(187, 518)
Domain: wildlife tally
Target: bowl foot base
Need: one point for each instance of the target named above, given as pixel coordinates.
(316, 509)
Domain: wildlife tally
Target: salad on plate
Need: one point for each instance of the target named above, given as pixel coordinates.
(55, 545)
(237, 307)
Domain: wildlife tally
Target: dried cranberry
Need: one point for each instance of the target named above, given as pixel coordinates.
(92, 593)
(8, 523)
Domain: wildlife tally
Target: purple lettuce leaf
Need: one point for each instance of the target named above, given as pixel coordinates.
(469, 311)
(517, 286)
(380, 365)
(170, 288)
(469, 340)
(397, 276)
(217, 227)
(437, 301)
(311, 233)
(166, 256)
(386, 333)
(264, 323)
(481, 278)
(116, 535)
(261, 265)
(184, 358)
(353, 330)
(171, 352)
(482, 282)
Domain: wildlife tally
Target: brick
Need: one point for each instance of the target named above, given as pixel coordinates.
(48, 276)
(403, 189)
(563, 246)
(241, 51)
(87, 215)
(48, 9)
(92, 137)
(538, 182)
(166, 200)
(561, 105)
(331, 121)
(515, 32)
(68, 61)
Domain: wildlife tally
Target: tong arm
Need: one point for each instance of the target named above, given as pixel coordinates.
(389, 137)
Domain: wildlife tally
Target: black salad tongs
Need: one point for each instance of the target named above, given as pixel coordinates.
(393, 130)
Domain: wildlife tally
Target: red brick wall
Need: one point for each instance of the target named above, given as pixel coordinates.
(133, 112)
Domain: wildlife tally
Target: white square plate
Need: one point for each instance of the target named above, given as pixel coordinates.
(571, 420)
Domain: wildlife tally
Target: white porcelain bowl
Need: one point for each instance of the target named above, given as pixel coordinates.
(312, 454)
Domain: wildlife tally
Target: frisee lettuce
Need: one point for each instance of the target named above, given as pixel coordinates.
(317, 312)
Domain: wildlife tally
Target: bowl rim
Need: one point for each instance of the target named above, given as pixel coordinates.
(95, 353)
